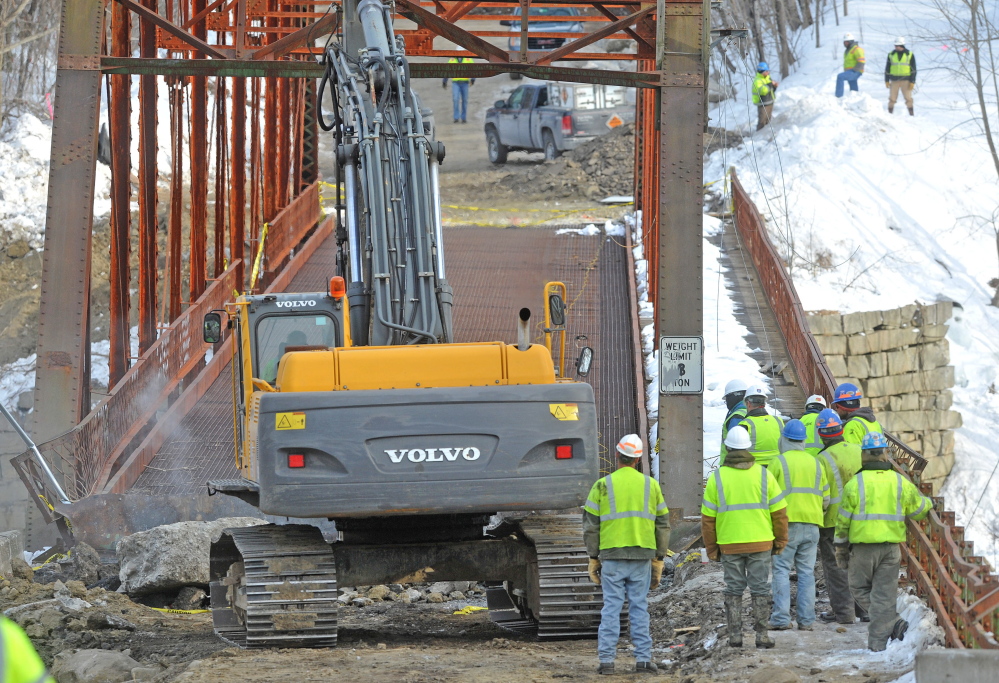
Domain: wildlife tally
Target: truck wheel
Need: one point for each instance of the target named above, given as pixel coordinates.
(551, 151)
(497, 150)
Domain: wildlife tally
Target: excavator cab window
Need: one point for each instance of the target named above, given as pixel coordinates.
(276, 333)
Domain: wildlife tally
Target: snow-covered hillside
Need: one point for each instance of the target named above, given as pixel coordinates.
(877, 210)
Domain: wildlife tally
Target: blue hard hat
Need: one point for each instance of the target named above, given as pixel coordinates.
(873, 440)
(795, 431)
(829, 421)
(847, 392)
(763, 66)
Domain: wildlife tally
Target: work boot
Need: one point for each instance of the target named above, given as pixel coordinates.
(911, 113)
(733, 617)
(646, 668)
(776, 627)
(761, 615)
(830, 618)
(891, 108)
(899, 629)
(606, 668)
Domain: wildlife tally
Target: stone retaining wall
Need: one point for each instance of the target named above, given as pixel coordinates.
(899, 358)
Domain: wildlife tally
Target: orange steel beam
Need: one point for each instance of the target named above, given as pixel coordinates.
(172, 28)
(297, 39)
(631, 32)
(443, 28)
(591, 38)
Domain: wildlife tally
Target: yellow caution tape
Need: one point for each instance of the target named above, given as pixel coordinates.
(54, 558)
(469, 610)
(181, 611)
(260, 255)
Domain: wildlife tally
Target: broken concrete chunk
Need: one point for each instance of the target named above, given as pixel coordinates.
(774, 674)
(87, 563)
(190, 598)
(93, 666)
(442, 587)
(435, 597)
(379, 592)
(102, 620)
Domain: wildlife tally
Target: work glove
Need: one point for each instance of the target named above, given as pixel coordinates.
(657, 572)
(887, 84)
(912, 87)
(778, 547)
(594, 570)
(775, 84)
(444, 83)
(842, 556)
(714, 554)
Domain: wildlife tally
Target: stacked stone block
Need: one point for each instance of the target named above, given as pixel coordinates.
(900, 359)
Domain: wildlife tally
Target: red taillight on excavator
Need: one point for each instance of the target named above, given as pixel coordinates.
(567, 130)
(296, 460)
(563, 452)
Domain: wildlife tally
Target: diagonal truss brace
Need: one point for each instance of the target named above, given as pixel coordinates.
(590, 38)
(445, 29)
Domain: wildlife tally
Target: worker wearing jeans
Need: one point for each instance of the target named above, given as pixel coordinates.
(626, 532)
(459, 91)
(853, 65)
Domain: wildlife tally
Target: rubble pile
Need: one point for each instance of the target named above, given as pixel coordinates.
(438, 592)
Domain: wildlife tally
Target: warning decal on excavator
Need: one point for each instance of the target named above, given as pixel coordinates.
(289, 421)
(564, 411)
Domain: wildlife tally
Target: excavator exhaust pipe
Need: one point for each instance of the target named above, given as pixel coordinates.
(524, 330)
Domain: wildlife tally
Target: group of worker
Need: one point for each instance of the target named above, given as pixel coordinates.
(900, 77)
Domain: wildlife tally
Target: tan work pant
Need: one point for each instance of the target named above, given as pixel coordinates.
(894, 87)
(763, 114)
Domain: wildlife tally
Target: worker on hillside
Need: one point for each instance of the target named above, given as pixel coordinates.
(814, 405)
(900, 75)
(459, 90)
(806, 492)
(840, 461)
(853, 64)
(764, 93)
(764, 428)
(743, 521)
(735, 392)
(626, 531)
(19, 663)
(857, 421)
(871, 524)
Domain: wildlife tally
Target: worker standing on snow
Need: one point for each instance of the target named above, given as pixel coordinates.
(806, 491)
(857, 421)
(626, 531)
(764, 428)
(900, 75)
(840, 461)
(19, 663)
(871, 525)
(459, 91)
(814, 405)
(743, 521)
(735, 392)
(853, 65)
(764, 93)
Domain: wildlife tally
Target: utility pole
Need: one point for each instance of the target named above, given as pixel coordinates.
(682, 48)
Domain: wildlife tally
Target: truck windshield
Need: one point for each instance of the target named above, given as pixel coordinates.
(275, 333)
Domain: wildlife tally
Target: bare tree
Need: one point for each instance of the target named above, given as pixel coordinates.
(28, 40)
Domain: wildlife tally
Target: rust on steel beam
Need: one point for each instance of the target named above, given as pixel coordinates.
(147, 190)
(149, 14)
(119, 116)
(279, 48)
(255, 161)
(200, 11)
(642, 40)
(199, 172)
(590, 38)
(443, 28)
(175, 226)
(270, 144)
(680, 259)
(237, 210)
(460, 9)
(62, 397)
(221, 175)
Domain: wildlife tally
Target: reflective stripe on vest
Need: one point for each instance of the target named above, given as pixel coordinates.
(839, 480)
(900, 63)
(862, 515)
(612, 503)
(815, 445)
(761, 453)
(816, 490)
(460, 60)
(764, 504)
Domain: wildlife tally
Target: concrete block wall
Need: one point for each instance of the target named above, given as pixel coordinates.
(900, 359)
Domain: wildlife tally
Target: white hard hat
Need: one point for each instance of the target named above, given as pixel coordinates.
(756, 390)
(900, 40)
(849, 36)
(815, 398)
(738, 438)
(734, 386)
(630, 446)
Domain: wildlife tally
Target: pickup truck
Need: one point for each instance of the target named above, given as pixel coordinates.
(555, 117)
(542, 20)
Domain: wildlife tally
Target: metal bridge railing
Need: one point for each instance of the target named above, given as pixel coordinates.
(958, 585)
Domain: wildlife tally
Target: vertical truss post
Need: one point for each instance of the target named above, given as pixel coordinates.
(147, 187)
(237, 210)
(175, 225)
(255, 183)
(310, 137)
(283, 141)
(270, 144)
(119, 115)
(199, 169)
(680, 257)
(62, 371)
(221, 175)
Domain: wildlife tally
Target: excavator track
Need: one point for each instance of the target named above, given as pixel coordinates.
(274, 586)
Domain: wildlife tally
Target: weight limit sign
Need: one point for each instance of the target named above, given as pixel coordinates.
(681, 365)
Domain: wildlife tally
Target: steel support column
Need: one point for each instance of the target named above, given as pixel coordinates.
(237, 207)
(199, 170)
(147, 188)
(62, 395)
(680, 300)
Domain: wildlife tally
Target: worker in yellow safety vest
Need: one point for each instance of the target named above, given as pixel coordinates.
(19, 663)
(764, 429)
(857, 421)
(743, 521)
(853, 65)
(459, 91)
(626, 531)
(900, 75)
(814, 405)
(735, 393)
(806, 490)
(764, 94)
(870, 527)
(840, 461)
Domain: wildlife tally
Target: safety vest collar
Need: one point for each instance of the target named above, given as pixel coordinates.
(836, 475)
